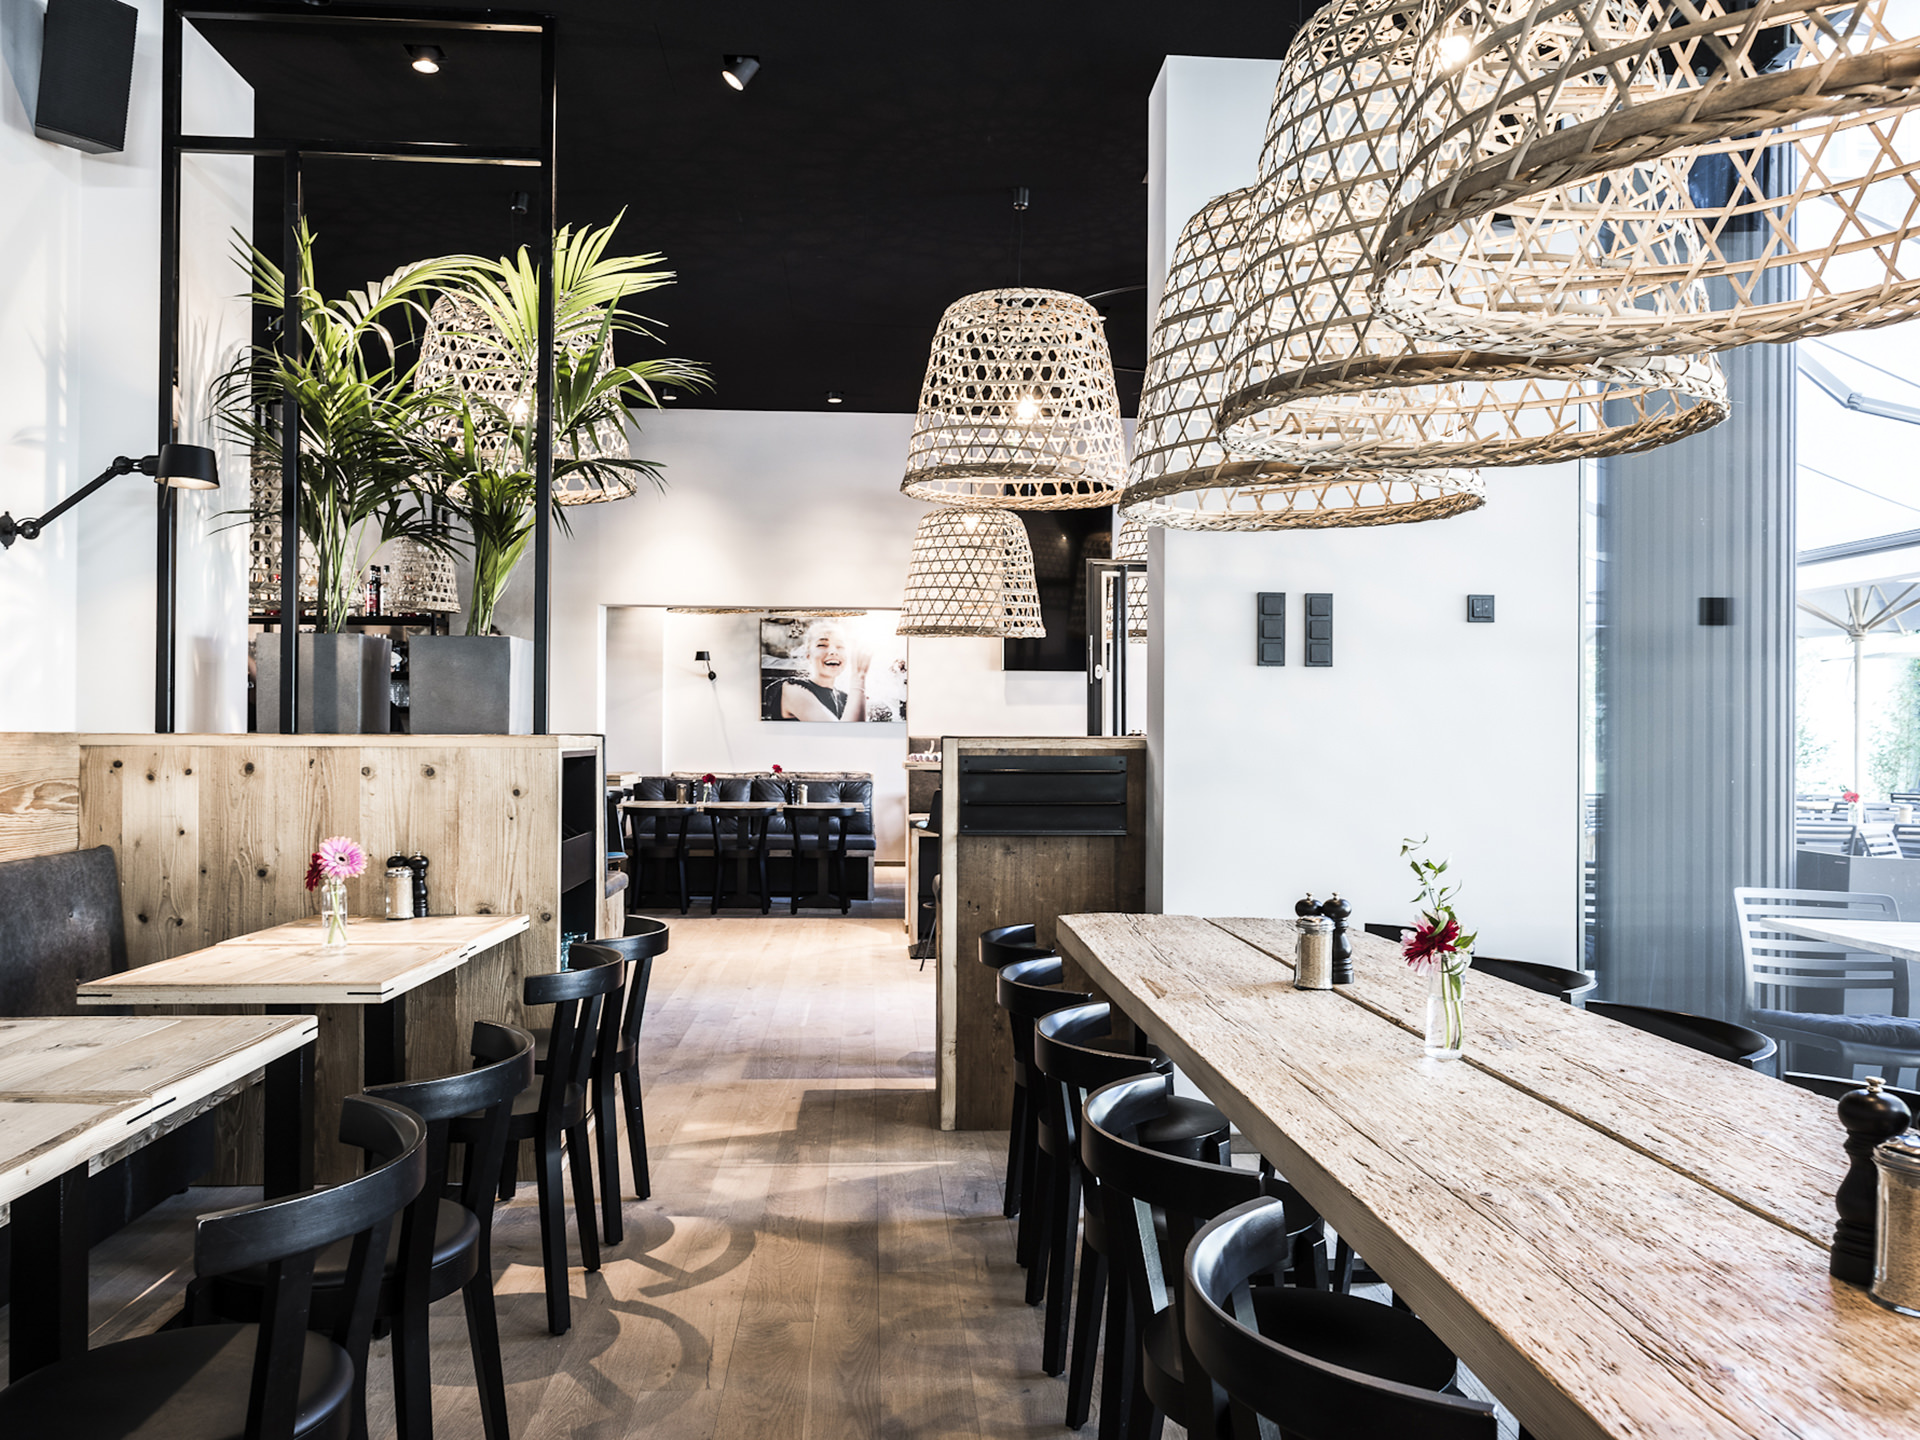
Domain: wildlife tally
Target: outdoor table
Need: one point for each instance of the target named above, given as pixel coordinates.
(1898, 938)
(1619, 1236)
(78, 1093)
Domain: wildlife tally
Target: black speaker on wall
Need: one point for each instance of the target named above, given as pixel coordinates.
(86, 75)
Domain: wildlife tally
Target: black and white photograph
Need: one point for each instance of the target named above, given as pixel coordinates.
(833, 668)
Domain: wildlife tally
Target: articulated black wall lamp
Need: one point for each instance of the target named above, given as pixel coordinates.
(181, 467)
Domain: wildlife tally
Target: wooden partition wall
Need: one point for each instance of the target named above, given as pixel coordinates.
(212, 835)
(992, 880)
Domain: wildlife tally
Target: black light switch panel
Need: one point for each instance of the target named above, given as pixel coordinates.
(1480, 609)
(1319, 628)
(1270, 628)
(1716, 610)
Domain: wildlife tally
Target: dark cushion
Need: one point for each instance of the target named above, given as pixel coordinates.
(60, 924)
(1889, 1032)
(191, 1382)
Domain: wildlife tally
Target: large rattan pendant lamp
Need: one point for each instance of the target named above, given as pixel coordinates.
(1181, 476)
(464, 349)
(1313, 370)
(1018, 410)
(1775, 155)
(971, 574)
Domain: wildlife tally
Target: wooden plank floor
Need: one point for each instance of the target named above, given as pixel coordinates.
(817, 1259)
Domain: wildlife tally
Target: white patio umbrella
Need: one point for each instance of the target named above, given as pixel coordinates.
(1875, 612)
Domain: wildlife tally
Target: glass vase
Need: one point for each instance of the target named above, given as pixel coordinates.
(333, 913)
(1446, 1007)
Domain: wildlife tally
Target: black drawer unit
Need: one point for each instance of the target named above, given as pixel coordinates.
(1043, 794)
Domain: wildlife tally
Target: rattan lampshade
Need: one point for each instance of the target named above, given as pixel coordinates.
(1130, 545)
(1774, 149)
(1018, 410)
(971, 574)
(419, 581)
(464, 350)
(1175, 449)
(263, 540)
(1313, 371)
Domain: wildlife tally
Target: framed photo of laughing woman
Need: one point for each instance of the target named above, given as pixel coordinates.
(838, 668)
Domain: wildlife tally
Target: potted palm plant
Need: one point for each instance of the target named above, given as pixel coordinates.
(362, 433)
(478, 365)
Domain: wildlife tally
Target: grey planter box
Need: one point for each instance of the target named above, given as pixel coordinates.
(346, 684)
(470, 685)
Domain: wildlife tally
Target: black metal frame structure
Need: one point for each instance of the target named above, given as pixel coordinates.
(291, 150)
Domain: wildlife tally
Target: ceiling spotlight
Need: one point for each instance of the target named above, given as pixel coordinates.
(835, 397)
(737, 70)
(1021, 199)
(426, 58)
(668, 395)
(521, 202)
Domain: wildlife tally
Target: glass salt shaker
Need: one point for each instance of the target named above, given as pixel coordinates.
(1896, 1250)
(399, 888)
(1313, 955)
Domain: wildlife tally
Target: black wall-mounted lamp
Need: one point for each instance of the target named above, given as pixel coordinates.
(180, 467)
(701, 657)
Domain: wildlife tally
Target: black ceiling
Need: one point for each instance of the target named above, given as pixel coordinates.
(819, 221)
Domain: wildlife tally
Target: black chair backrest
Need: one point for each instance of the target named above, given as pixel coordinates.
(471, 1108)
(578, 996)
(1307, 1398)
(1072, 1065)
(621, 1018)
(1709, 1036)
(1834, 1086)
(1572, 986)
(1026, 990)
(1004, 944)
(285, 1236)
(60, 925)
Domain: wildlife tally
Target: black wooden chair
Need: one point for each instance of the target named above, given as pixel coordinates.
(1075, 1054)
(1000, 947)
(1154, 1205)
(277, 1380)
(555, 1115)
(1709, 1036)
(1318, 1365)
(616, 1070)
(1026, 990)
(444, 1241)
(1572, 986)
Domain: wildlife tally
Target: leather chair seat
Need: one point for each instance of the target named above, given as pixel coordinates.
(1187, 1126)
(1343, 1330)
(1890, 1032)
(133, 1389)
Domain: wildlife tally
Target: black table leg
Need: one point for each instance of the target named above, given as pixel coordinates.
(289, 1123)
(385, 1061)
(49, 1284)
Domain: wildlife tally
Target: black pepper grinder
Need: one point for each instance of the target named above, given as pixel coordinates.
(1340, 911)
(418, 864)
(1870, 1115)
(1306, 907)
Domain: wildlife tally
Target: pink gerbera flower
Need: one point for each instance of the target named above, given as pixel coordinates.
(339, 858)
(1427, 945)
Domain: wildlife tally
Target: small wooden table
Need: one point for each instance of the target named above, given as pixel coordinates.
(287, 969)
(1622, 1238)
(78, 1093)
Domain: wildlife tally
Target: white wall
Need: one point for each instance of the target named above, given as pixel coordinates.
(1268, 782)
(635, 683)
(79, 318)
(772, 509)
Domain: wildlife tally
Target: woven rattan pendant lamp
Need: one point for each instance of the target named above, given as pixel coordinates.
(1313, 371)
(1018, 410)
(1176, 453)
(971, 574)
(1784, 139)
(420, 581)
(463, 349)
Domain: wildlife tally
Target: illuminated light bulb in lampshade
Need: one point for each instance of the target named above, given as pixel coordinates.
(1452, 51)
(1027, 411)
(426, 58)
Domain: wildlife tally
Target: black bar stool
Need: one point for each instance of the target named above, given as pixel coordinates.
(1000, 947)
(1319, 1366)
(1572, 986)
(1074, 1052)
(1026, 990)
(1709, 1036)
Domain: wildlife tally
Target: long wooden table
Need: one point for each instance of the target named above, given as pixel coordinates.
(286, 968)
(78, 1093)
(1620, 1237)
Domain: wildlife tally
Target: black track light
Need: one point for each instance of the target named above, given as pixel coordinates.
(426, 58)
(738, 70)
(834, 397)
